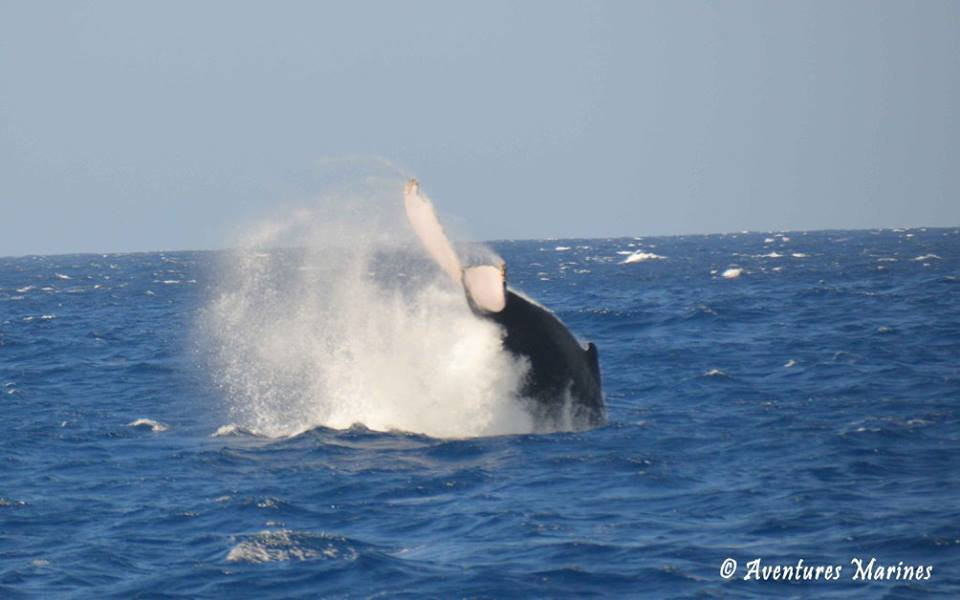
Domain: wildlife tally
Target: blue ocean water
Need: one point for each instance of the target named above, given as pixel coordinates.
(773, 396)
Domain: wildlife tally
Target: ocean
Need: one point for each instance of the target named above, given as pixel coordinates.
(279, 423)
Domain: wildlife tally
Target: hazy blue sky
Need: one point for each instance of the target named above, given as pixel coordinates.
(163, 125)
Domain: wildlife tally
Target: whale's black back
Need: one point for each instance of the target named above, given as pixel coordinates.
(558, 363)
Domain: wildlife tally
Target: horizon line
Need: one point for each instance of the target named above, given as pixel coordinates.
(510, 240)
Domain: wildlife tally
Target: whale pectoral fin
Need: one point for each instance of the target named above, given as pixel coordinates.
(424, 221)
(593, 359)
(485, 288)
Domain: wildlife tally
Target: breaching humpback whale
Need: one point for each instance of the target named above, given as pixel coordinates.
(563, 381)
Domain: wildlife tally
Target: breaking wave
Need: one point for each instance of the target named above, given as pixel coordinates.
(286, 545)
(150, 424)
(640, 256)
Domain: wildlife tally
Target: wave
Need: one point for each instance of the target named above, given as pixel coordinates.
(232, 429)
(30, 318)
(286, 545)
(640, 256)
(150, 424)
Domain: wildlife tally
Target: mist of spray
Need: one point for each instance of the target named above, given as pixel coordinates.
(333, 316)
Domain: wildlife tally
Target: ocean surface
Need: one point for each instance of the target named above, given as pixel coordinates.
(780, 397)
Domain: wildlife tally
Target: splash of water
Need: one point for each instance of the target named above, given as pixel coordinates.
(333, 316)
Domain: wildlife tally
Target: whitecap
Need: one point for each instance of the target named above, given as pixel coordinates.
(231, 429)
(27, 288)
(150, 424)
(769, 240)
(928, 257)
(285, 545)
(886, 259)
(62, 276)
(799, 255)
(790, 363)
(714, 373)
(640, 256)
(562, 248)
(732, 273)
(773, 254)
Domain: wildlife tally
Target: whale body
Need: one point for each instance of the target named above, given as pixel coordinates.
(562, 386)
(564, 377)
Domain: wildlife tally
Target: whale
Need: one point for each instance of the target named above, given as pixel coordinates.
(562, 387)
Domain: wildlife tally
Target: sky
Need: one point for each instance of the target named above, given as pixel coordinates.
(137, 126)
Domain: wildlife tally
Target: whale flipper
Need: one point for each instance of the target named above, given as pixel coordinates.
(423, 218)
